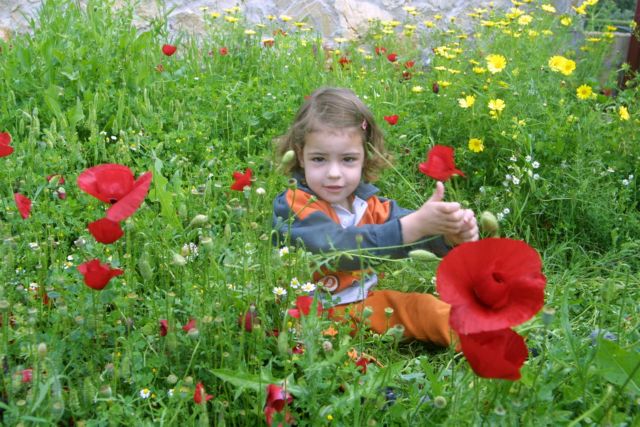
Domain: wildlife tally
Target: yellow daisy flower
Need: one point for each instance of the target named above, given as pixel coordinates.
(566, 21)
(417, 89)
(467, 101)
(584, 92)
(496, 105)
(624, 113)
(496, 63)
(476, 145)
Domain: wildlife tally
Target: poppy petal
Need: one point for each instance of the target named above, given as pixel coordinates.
(5, 148)
(495, 354)
(105, 231)
(96, 274)
(126, 206)
(108, 182)
(440, 163)
(491, 284)
(169, 49)
(23, 204)
(242, 180)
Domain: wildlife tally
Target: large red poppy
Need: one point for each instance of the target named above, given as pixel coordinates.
(277, 397)
(169, 49)
(440, 163)
(201, 395)
(105, 231)
(241, 180)
(96, 274)
(491, 284)
(115, 184)
(23, 203)
(392, 57)
(5, 147)
(392, 120)
(495, 354)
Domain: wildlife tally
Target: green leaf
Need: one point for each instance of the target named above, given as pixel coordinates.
(617, 365)
(160, 194)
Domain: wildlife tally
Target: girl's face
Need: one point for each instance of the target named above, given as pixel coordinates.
(333, 160)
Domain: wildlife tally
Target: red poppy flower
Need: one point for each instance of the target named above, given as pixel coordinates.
(298, 349)
(200, 395)
(23, 203)
(303, 306)
(97, 275)
(223, 51)
(164, 327)
(392, 57)
(249, 320)
(362, 364)
(495, 354)
(27, 375)
(440, 164)
(5, 147)
(344, 60)
(277, 397)
(169, 49)
(380, 50)
(190, 325)
(268, 42)
(241, 180)
(115, 184)
(409, 64)
(491, 284)
(435, 87)
(406, 75)
(105, 231)
(392, 120)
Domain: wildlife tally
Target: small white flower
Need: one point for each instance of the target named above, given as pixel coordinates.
(34, 246)
(535, 164)
(145, 393)
(528, 159)
(284, 251)
(70, 258)
(610, 169)
(515, 180)
(536, 176)
(506, 211)
(625, 182)
(508, 177)
(279, 291)
(630, 177)
(482, 189)
(308, 287)
(260, 191)
(295, 283)
(513, 158)
(500, 216)
(33, 286)
(170, 392)
(114, 138)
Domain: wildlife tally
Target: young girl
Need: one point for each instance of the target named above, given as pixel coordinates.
(339, 150)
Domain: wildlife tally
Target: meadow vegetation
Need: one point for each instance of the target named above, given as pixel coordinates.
(547, 140)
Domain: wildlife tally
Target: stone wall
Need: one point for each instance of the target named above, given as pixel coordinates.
(333, 18)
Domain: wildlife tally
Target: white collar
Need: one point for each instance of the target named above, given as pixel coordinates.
(348, 218)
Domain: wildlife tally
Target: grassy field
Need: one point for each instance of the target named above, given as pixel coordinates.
(546, 139)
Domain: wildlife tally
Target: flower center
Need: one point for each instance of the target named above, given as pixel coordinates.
(492, 291)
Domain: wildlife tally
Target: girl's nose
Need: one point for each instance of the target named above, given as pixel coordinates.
(334, 170)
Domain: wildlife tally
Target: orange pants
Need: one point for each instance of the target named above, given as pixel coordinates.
(423, 316)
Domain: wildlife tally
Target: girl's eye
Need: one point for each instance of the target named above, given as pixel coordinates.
(317, 159)
(350, 159)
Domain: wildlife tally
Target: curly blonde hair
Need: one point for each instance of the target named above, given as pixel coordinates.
(335, 108)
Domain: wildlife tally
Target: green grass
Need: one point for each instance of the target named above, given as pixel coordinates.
(83, 89)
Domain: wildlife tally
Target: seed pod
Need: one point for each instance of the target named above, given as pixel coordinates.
(145, 268)
(288, 157)
(489, 224)
(423, 255)
(199, 220)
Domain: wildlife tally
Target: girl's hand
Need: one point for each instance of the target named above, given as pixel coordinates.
(436, 217)
(469, 231)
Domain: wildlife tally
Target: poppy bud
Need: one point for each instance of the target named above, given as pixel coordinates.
(388, 312)
(439, 402)
(206, 243)
(42, 350)
(105, 391)
(435, 87)
(423, 255)
(145, 268)
(199, 220)
(178, 260)
(367, 312)
(193, 333)
(172, 379)
(396, 331)
(288, 157)
(327, 346)
(489, 224)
